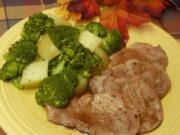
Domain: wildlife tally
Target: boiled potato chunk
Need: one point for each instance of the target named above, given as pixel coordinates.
(89, 40)
(46, 48)
(34, 73)
(103, 55)
(82, 86)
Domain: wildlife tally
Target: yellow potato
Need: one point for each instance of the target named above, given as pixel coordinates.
(82, 86)
(34, 73)
(103, 55)
(89, 40)
(46, 48)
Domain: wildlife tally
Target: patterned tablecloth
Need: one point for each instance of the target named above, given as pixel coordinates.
(12, 11)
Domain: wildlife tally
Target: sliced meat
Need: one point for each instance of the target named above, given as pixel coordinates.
(117, 76)
(125, 54)
(143, 52)
(153, 54)
(137, 92)
(103, 83)
(146, 101)
(149, 74)
(99, 114)
(97, 84)
(71, 115)
(162, 84)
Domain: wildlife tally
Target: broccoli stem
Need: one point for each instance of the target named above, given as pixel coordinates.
(17, 82)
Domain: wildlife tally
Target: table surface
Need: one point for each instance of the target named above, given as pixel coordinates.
(12, 11)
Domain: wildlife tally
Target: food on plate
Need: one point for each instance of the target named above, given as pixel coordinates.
(149, 52)
(104, 56)
(97, 29)
(146, 53)
(16, 81)
(99, 114)
(58, 89)
(132, 83)
(22, 51)
(111, 42)
(37, 25)
(151, 75)
(34, 73)
(86, 80)
(18, 56)
(89, 40)
(10, 70)
(108, 41)
(150, 60)
(146, 101)
(46, 48)
(46, 52)
(83, 62)
(61, 35)
(138, 80)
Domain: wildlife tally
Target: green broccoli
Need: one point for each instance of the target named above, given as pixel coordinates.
(83, 79)
(97, 29)
(81, 60)
(111, 43)
(76, 53)
(57, 64)
(81, 57)
(57, 90)
(36, 25)
(111, 39)
(61, 35)
(17, 82)
(22, 51)
(61, 63)
(92, 62)
(10, 70)
(76, 56)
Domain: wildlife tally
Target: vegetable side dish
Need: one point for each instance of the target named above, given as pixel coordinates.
(58, 59)
(85, 79)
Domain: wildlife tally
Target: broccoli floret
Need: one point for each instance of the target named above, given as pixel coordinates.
(81, 57)
(17, 82)
(57, 64)
(10, 70)
(76, 56)
(92, 62)
(36, 25)
(57, 90)
(111, 43)
(62, 35)
(97, 29)
(83, 79)
(111, 39)
(22, 51)
(83, 62)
